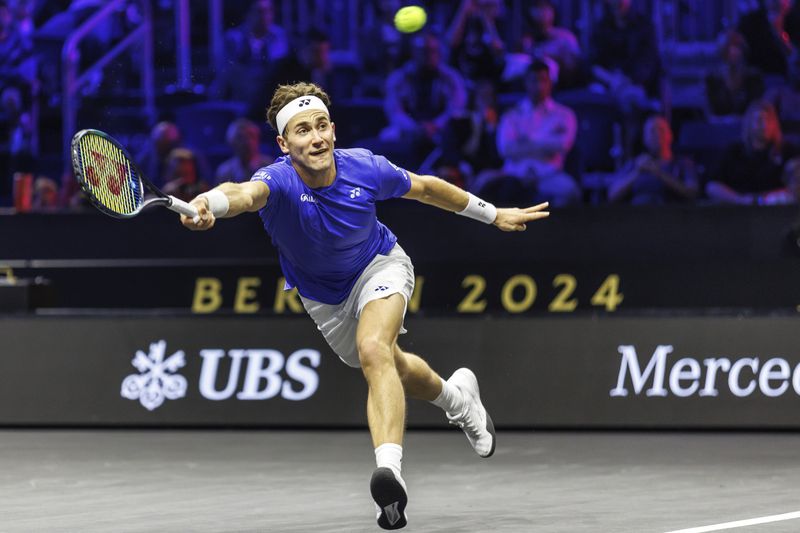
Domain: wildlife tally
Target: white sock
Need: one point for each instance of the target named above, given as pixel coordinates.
(450, 399)
(390, 455)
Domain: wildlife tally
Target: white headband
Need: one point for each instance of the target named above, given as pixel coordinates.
(303, 103)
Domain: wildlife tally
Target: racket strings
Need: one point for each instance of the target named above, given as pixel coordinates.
(108, 176)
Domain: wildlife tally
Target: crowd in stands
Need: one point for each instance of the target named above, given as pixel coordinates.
(515, 118)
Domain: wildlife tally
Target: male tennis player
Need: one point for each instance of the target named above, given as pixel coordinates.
(318, 205)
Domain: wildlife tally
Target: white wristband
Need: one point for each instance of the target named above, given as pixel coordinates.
(218, 202)
(479, 210)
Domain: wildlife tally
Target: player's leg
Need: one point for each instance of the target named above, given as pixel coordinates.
(378, 327)
(459, 397)
(419, 380)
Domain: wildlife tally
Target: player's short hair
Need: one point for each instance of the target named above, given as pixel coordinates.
(286, 93)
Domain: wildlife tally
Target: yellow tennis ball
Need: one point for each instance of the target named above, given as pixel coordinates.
(410, 19)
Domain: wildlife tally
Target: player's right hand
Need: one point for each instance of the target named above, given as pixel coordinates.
(204, 220)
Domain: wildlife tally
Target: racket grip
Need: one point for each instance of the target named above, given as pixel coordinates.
(179, 206)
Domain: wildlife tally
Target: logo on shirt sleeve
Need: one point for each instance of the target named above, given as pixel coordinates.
(400, 170)
(355, 192)
(261, 174)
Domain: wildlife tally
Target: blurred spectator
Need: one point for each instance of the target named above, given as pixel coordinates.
(752, 169)
(791, 179)
(764, 30)
(469, 142)
(790, 194)
(18, 125)
(421, 97)
(16, 139)
(154, 159)
(71, 194)
(243, 136)
(50, 41)
(545, 40)
(312, 62)
(786, 98)
(627, 63)
(626, 57)
(656, 176)
(23, 15)
(734, 85)
(16, 50)
(182, 180)
(45, 194)
(258, 39)
(382, 48)
(534, 138)
(475, 45)
(252, 51)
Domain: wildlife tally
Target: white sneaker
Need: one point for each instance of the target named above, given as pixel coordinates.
(473, 418)
(389, 492)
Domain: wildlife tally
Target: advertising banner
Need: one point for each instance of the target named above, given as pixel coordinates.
(581, 372)
(577, 261)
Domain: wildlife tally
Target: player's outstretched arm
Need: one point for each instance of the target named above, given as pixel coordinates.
(225, 201)
(437, 192)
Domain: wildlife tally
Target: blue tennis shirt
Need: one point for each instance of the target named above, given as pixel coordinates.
(327, 236)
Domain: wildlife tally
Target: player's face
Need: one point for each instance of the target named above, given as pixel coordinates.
(309, 138)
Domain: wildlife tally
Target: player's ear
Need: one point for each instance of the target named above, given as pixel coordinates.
(282, 144)
(333, 127)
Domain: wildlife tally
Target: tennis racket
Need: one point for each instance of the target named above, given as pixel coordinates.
(112, 181)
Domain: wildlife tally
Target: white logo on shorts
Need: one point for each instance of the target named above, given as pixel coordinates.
(355, 192)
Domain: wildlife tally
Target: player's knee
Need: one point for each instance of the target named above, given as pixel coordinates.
(374, 353)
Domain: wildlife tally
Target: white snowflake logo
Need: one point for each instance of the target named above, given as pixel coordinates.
(157, 380)
(355, 192)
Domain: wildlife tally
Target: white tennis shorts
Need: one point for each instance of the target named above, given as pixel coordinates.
(385, 275)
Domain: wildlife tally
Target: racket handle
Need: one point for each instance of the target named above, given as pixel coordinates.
(179, 206)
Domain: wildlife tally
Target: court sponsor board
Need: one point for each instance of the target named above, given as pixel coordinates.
(582, 260)
(577, 372)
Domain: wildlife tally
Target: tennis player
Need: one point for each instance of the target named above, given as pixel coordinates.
(318, 205)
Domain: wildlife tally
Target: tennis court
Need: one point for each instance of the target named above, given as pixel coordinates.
(303, 481)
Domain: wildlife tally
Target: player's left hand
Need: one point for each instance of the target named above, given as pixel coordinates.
(515, 219)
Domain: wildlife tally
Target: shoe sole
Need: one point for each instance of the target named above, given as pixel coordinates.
(389, 495)
(489, 423)
(490, 429)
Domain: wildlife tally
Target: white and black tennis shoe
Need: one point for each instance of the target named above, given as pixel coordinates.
(389, 492)
(473, 418)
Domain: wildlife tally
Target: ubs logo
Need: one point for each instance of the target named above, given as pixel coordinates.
(157, 379)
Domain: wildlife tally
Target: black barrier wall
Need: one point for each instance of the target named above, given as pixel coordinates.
(693, 372)
(592, 260)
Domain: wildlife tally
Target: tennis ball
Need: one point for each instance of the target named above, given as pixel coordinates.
(410, 19)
